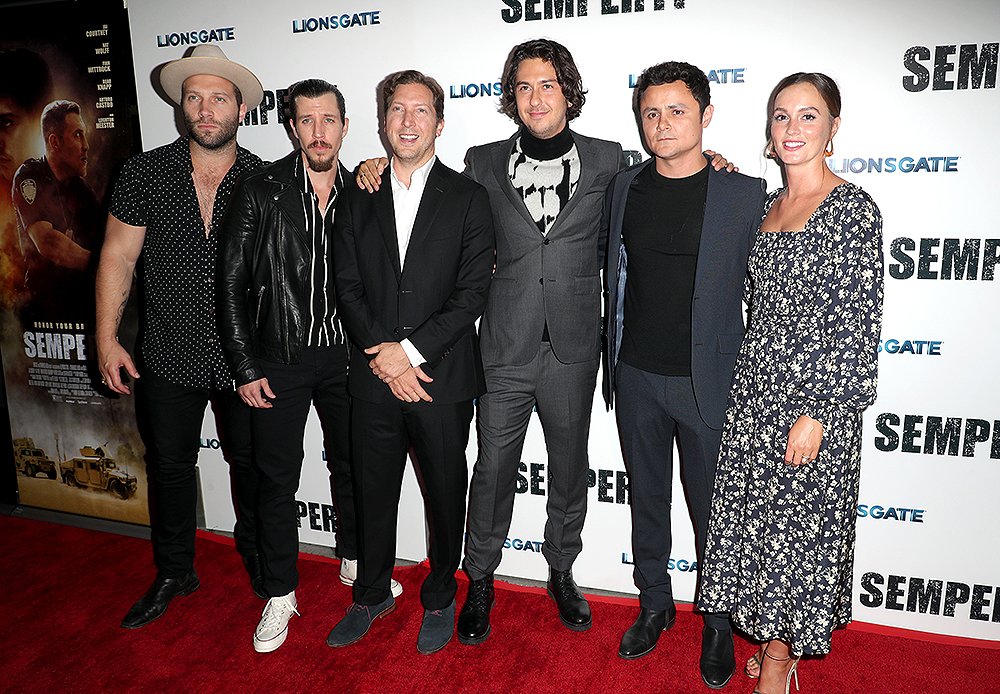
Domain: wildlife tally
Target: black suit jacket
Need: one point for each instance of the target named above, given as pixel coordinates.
(733, 210)
(434, 300)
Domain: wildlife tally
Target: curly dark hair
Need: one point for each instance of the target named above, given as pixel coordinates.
(664, 73)
(391, 82)
(567, 75)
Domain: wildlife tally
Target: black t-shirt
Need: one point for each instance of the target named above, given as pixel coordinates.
(661, 232)
(71, 207)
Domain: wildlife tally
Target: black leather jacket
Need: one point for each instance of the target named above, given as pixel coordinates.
(264, 269)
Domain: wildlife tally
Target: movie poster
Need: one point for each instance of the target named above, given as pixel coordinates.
(67, 95)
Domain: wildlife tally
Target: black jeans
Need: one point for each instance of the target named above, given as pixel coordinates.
(320, 377)
(174, 414)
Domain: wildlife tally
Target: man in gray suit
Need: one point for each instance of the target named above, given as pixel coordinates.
(679, 234)
(542, 325)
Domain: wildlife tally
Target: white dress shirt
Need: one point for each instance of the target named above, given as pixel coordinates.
(405, 203)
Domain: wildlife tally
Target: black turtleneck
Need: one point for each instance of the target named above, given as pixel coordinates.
(544, 150)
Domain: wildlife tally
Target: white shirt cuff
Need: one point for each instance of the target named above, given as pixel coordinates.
(412, 353)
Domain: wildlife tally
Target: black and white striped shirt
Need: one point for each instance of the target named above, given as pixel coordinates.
(323, 325)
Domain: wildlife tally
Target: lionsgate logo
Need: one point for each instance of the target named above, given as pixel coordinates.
(856, 165)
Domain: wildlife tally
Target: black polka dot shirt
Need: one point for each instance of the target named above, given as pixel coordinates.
(180, 340)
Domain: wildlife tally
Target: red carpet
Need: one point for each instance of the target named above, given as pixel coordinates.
(67, 589)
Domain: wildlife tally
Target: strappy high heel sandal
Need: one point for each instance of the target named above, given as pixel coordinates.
(752, 668)
(788, 678)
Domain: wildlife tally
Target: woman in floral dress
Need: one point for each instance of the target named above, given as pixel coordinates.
(780, 546)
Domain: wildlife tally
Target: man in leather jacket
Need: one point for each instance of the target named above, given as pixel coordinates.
(282, 336)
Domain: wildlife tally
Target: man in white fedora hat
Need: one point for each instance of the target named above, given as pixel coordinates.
(166, 206)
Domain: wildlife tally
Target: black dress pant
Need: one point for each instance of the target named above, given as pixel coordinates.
(320, 377)
(382, 434)
(652, 410)
(175, 415)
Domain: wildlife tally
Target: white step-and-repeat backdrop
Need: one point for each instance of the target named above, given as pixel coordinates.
(919, 133)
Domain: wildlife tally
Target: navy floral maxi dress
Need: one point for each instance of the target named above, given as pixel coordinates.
(780, 550)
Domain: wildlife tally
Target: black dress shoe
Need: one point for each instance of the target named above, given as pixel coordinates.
(574, 611)
(642, 636)
(474, 621)
(252, 565)
(718, 663)
(154, 602)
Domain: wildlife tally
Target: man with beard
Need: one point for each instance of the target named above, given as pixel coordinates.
(57, 218)
(282, 336)
(167, 205)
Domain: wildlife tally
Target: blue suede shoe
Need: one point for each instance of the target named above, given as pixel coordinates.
(358, 621)
(436, 629)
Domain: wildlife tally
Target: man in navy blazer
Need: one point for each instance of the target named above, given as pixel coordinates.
(679, 234)
(413, 264)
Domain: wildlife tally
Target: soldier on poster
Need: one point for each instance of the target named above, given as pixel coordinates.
(57, 219)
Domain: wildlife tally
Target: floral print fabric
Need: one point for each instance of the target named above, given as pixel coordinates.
(780, 549)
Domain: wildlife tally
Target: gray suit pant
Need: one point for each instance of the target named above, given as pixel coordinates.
(652, 410)
(563, 395)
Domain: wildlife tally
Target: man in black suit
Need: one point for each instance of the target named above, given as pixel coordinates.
(679, 236)
(413, 265)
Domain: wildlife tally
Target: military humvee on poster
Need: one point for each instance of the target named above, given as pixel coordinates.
(30, 460)
(98, 471)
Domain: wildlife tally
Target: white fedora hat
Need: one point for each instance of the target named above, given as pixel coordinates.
(208, 59)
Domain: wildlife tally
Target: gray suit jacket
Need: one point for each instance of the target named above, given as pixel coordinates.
(733, 212)
(553, 279)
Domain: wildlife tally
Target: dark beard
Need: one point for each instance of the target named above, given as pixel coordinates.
(225, 134)
(318, 165)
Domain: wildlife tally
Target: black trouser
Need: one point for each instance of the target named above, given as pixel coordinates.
(320, 377)
(382, 435)
(652, 410)
(175, 415)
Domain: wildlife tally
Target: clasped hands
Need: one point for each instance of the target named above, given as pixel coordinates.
(392, 367)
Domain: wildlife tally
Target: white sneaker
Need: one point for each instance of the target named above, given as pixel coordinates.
(349, 572)
(273, 627)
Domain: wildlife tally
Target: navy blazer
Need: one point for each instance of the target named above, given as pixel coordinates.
(434, 300)
(733, 211)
